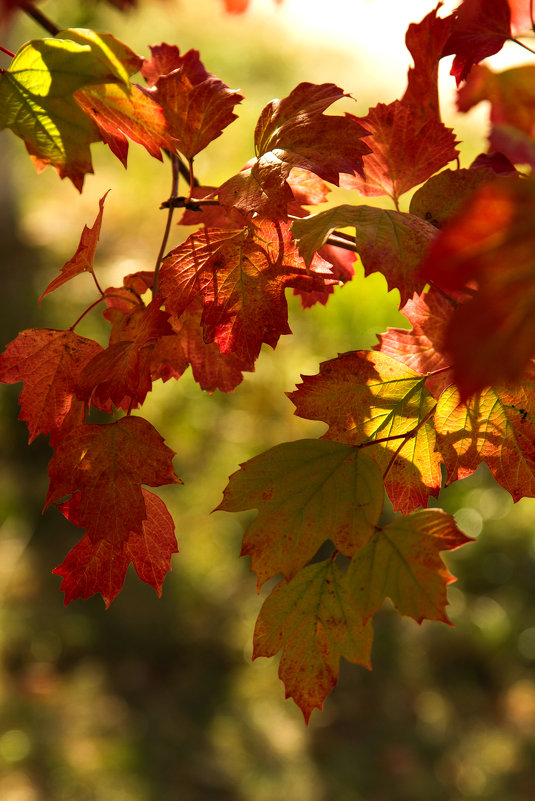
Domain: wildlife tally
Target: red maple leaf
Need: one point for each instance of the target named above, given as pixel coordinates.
(495, 426)
(479, 28)
(210, 368)
(82, 261)
(491, 241)
(241, 277)
(100, 565)
(49, 363)
(107, 464)
(423, 347)
(512, 108)
(197, 105)
(119, 114)
(121, 374)
(425, 40)
(299, 134)
(405, 151)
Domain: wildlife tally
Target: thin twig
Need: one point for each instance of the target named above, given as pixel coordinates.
(175, 164)
(37, 15)
(518, 42)
(341, 243)
(73, 326)
(7, 52)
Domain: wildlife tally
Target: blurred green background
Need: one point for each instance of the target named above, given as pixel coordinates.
(157, 699)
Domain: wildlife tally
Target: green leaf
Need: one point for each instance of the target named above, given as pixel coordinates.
(313, 620)
(391, 242)
(36, 96)
(306, 492)
(402, 562)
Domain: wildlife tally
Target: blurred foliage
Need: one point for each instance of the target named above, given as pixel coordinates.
(156, 699)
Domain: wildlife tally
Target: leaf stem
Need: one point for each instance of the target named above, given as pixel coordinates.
(191, 179)
(341, 243)
(99, 300)
(175, 165)
(518, 42)
(37, 15)
(7, 52)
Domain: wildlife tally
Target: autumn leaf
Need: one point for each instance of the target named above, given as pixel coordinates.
(401, 562)
(306, 492)
(405, 151)
(365, 396)
(295, 133)
(511, 95)
(82, 261)
(423, 347)
(443, 195)
(49, 363)
(299, 134)
(36, 96)
(491, 241)
(119, 113)
(197, 105)
(100, 565)
(107, 464)
(391, 242)
(121, 374)
(425, 41)
(479, 28)
(495, 426)
(241, 277)
(312, 619)
(211, 369)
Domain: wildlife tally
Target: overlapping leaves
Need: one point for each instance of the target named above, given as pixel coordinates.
(434, 400)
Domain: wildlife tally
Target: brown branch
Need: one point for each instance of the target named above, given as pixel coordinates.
(37, 15)
(175, 164)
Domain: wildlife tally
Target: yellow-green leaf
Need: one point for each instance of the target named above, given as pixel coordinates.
(306, 492)
(312, 619)
(402, 562)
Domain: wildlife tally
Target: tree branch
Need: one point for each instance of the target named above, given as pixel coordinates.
(37, 15)
(175, 164)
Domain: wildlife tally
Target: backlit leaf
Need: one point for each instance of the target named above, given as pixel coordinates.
(306, 492)
(491, 241)
(36, 96)
(401, 562)
(197, 105)
(107, 464)
(365, 396)
(100, 565)
(82, 261)
(241, 277)
(405, 150)
(391, 242)
(496, 426)
(479, 28)
(312, 619)
(49, 363)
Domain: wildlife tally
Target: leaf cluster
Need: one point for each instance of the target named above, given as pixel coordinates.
(422, 409)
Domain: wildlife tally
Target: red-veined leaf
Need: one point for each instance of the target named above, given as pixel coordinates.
(107, 464)
(405, 150)
(49, 363)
